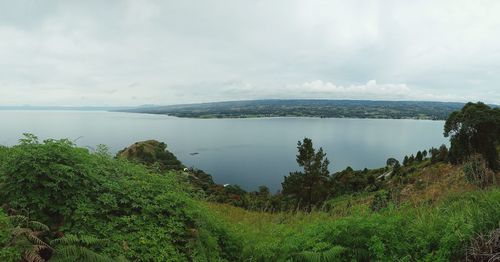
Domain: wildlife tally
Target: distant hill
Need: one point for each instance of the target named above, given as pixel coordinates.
(308, 108)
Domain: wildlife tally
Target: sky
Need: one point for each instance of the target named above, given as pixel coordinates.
(125, 53)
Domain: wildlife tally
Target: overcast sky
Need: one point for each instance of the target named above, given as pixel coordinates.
(169, 52)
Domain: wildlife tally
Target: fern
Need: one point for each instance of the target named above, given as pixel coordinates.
(77, 240)
(26, 231)
(76, 248)
(35, 225)
(77, 253)
(32, 256)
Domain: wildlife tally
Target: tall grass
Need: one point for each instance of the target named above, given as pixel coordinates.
(406, 233)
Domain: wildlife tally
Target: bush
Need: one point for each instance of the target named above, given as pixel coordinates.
(380, 201)
(485, 247)
(45, 181)
(142, 215)
(9, 251)
(476, 171)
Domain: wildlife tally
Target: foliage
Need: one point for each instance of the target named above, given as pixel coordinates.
(31, 236)
(46, 180)
(419, 156)
(10, 251)
(474, 129)
(392, 161)
(151, 152)
(484, 247)
(421, 233)
(331, 255)
(477, 172)
(77, 248)
(308, 187)
(439, 155)
(144, 216)
(380, 200)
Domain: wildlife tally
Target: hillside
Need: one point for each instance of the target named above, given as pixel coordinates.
(145, 214)
(308, 108)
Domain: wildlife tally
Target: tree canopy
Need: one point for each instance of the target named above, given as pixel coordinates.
(474, 129)
(308, 187)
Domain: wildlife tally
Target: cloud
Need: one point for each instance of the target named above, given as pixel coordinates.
(369, 90)
(190, 51)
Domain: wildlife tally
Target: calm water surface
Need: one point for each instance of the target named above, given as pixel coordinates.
(248, 152)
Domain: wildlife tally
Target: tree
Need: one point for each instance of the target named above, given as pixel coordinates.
(434, 155)
(308, 187)
(411, 159)
(424, 154)
(406, 161)
(396, 170)
(474, 129)
(443, 153)
(419, 157)
(391, 161)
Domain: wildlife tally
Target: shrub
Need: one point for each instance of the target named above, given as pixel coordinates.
(380, 201)
(9, 251)
(476, 171)
(144, 216)
(485, 247)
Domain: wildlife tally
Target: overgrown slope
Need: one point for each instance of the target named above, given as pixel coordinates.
(122, 210)
(432, 217)
(141, 215)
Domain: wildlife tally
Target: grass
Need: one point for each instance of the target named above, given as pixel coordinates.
(435, 217)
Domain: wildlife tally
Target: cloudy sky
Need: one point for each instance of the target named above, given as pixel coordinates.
(168, 52)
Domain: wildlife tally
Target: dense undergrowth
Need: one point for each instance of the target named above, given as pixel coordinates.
(141, 215)
(428, 232)
(117, 210)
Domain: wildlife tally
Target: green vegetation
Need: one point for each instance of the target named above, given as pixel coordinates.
(141, 215)
(151, 152)
(309, 187)
(439, 232)
(60, 202)
(308, 108)
(474, 129)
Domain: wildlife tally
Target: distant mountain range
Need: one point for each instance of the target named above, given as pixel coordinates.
(308, 108)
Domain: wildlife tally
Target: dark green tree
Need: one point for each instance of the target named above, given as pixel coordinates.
(434, 155)
(424, 154)
(474, 129)
(406, 161)
(391, 161)
(411, 159)
(419, 157)
(396, 170)
(443, 153)
(310, 186)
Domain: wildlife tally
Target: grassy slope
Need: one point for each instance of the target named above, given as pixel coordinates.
(437, 214)
(147, 216)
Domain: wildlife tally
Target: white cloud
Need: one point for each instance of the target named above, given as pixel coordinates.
(57, 52)
(369, 90)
